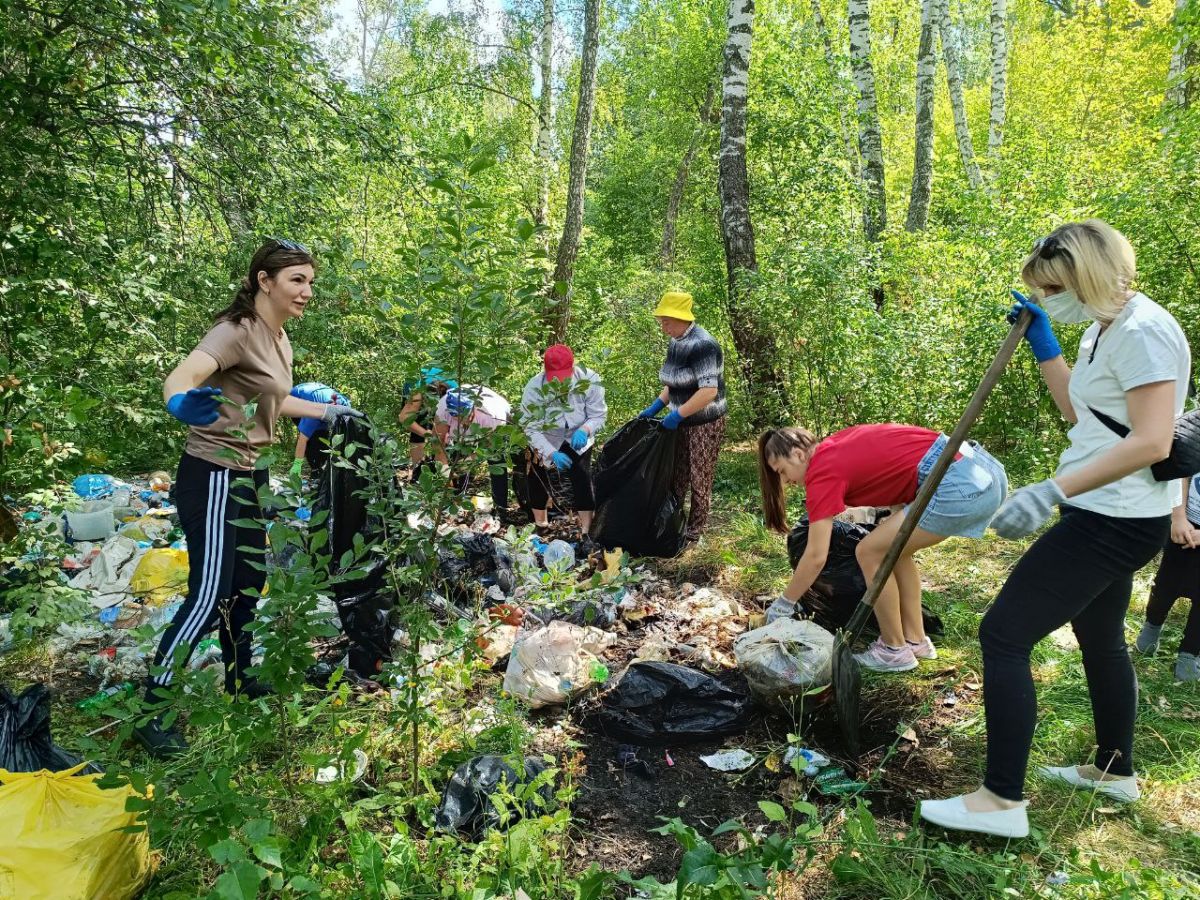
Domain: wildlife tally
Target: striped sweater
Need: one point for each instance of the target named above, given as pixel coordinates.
(695, 361)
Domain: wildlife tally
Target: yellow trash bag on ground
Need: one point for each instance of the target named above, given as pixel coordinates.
(160, 574)
(59, 839)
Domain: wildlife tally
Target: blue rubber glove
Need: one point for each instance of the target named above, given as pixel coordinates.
(561, 461)
(1040, 335)
(1027, 509)
(672, 420)
(197, 407)
(579, 439)
(653, 409)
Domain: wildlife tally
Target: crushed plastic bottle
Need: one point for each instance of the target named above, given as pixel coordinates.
(559, 555)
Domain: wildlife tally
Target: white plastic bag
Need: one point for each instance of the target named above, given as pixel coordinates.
(785, 658)
(551, 665)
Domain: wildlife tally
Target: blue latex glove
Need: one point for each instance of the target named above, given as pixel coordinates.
(1040, 335)
(1027, 509)
(653, 409)
(672, 420)
(197, 407)
(561, 461)
(579, 439)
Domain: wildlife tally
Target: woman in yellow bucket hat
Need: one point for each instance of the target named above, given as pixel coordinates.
(693, 379)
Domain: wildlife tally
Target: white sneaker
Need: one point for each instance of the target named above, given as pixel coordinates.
(953, 813)
(923, 649)
(1124, 789)
(879, 657)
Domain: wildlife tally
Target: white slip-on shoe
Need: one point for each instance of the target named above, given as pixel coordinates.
(1124, 789)
(953, 813)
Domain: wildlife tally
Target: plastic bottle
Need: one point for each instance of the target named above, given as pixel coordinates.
(559, 555)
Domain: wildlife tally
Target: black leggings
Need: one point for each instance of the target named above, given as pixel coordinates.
(1178, 576)
(580, 474)
(1080, 571)
(219, 566)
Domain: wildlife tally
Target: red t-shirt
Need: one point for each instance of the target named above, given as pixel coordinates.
(866, 465)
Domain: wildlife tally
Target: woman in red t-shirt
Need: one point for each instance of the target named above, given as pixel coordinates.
(877, 465)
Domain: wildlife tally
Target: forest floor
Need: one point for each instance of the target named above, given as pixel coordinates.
(924, 734)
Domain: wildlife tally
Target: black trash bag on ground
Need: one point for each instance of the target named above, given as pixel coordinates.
(25, 741)
(636, 508)
(466, 807)
(483, 562)
(665, 703)
(841, 584)
(365, 601)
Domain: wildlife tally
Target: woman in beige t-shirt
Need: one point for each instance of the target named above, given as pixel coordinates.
(244, 357)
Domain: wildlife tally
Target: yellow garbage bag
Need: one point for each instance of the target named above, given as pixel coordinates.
(60, 839)
(160, 573)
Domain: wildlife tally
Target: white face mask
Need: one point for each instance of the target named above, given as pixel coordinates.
(1066, 307)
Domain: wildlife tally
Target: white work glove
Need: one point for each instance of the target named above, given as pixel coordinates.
(781, 608)
(1027, 509)
(333, 412)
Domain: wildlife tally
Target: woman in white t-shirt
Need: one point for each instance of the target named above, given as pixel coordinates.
(1133, 365)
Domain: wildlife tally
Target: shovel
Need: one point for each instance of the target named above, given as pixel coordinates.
(847, 680)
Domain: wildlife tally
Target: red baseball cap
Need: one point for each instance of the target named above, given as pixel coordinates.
(559, 362)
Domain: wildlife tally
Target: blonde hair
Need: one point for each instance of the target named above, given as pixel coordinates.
(1091, 258)
(778, 443)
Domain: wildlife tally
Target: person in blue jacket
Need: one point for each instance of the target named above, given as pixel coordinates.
(313, 443)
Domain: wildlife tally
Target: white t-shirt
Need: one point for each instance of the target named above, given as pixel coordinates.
(1143, 345)
(490, 410)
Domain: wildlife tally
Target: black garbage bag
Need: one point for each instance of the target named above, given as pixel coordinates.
(664, 703)
(482, 563)
(25, 741)
(841, 584)
(636, 507)
(466, 807)
(364, 601)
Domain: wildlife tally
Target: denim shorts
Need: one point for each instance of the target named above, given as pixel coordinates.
(970, 493)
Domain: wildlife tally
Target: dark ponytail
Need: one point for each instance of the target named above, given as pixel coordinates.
(273, 256)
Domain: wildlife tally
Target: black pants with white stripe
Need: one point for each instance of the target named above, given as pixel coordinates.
(209, 499)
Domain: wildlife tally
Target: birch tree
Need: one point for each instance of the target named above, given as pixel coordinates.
(836, 75)
(764, 386)
(545, 117)
(666, 253)
(870, 140)
(559, 310)
(922, 180)
(952, 56)
(1182, 57)
(999, 75)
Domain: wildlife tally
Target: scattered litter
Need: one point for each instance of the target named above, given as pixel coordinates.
(658, 702)
(785, 659)
(107, 578)
(467, 806)
(908, 738)
(834, 782)
(97, 700)
(93, 487)
(628, 760)
(1057, 879)
(498, 642)
(330, 774)
(93, 522)
(559, 556)
(160, 574)
(667, 756)
(812, 759)
(729, 760)
(555, 663)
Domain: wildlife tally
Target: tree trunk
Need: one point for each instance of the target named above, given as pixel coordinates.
(558, 313)
(1179, 93)
(836, 75)
(999, 75)
(870, 140)
(954, 82)
(764, 386)
(922, 180)
(666, 253)
(545, 120)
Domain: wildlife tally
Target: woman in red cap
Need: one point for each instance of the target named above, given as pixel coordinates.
(562, 408)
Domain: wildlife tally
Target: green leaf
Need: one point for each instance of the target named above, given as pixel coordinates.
(773, 811)
(268, 851)
(699, 867)
(480, 164)
(240, 882)
(227, 851)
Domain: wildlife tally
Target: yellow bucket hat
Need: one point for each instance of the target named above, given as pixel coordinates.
(676, 305)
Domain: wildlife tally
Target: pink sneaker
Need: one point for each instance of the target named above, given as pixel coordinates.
(923, 649)
(879, 657)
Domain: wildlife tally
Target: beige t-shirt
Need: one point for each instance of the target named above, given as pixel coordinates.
(252, 363)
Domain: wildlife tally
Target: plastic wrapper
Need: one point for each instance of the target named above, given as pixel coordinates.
(785, 659)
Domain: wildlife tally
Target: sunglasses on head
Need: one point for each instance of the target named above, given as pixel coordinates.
(286, 244)
(1049, 247)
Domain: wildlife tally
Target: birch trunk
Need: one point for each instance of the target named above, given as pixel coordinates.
(870, 141)
(559, 311)
(922, 180)
(1178, 88)
(762, 383)
(837, 76)
(666, 252)
(954, 82)
(999, 75)
(545, 121)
